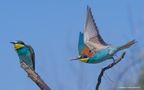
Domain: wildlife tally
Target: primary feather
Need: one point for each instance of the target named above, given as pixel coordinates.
(92, 37)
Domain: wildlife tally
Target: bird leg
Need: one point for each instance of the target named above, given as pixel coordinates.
(113, 59)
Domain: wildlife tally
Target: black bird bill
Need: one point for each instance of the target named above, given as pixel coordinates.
(12, 42)
(78, 58)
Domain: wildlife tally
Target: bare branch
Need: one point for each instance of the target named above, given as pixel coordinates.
(35, 77)
(106, 68)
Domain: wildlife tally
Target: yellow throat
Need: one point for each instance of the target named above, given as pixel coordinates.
(18, 46)
(84, 60)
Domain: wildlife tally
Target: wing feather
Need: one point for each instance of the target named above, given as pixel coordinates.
(92, 37)
(32, 55)
(81, 44)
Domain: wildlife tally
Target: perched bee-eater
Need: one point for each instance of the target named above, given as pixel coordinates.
(92, 48)
(26, 53)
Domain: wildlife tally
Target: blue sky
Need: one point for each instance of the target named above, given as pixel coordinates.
(52, 27)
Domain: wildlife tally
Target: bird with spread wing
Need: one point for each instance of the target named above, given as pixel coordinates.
(92, 48)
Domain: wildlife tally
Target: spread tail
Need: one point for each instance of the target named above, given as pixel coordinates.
(127, 45)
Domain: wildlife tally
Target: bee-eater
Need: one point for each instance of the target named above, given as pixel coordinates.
(92, 48)
(26, 53)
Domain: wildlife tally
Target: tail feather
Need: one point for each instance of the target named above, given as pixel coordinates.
(127, 45)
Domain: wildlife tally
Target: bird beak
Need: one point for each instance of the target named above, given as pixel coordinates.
(77, 58)
(12, 42)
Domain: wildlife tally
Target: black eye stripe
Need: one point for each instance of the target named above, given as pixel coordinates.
(84, 56)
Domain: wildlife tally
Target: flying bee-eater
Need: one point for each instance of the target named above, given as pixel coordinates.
(26, 53)
(92, 48)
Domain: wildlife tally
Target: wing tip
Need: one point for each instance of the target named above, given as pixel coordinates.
(88, 8)
(80, 32)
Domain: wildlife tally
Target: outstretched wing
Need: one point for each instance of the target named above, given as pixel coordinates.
(83, 49)
(92, 37)
(81, 44)
(32, 55)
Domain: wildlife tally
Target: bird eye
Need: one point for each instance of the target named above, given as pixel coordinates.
(84, 56)
(22, 43)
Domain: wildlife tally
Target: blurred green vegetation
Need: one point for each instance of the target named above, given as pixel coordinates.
(141, 80)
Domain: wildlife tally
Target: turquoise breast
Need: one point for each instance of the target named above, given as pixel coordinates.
(100, 56)
(25, 56)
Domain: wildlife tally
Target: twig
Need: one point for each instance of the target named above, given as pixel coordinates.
(106, 68)
(35, 77)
